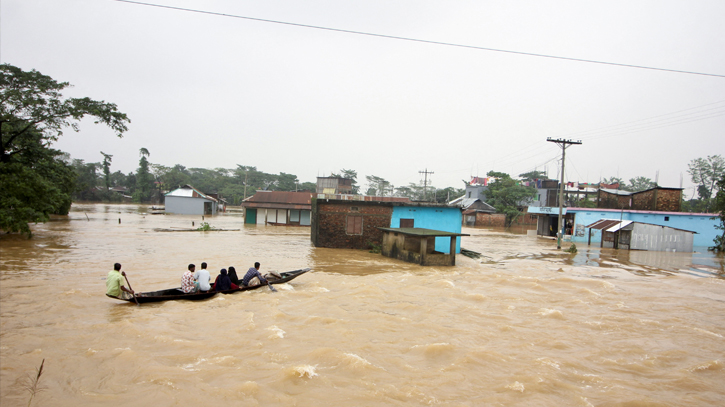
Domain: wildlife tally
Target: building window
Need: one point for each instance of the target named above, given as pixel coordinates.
(354, 225)
(354, 209)
(667, 218)
(407, 223)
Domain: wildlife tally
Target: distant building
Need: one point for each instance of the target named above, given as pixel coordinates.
(278, 208)
(187, 200)
(355, 224)
(478, 213)
(334, 185)
(653, 199)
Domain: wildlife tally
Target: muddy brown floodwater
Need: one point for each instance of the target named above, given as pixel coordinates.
(524, 325)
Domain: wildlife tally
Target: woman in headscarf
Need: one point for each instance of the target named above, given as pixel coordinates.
(233, 275)
(223, 282)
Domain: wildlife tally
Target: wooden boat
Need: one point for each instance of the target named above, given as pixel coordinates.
(173, 294)
(286, 276)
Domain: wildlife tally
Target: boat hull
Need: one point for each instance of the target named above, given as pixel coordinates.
(173, 294)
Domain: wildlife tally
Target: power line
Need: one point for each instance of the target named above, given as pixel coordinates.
(317, 27)
(583, 133)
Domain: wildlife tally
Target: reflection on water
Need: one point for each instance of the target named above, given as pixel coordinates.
(525, 324)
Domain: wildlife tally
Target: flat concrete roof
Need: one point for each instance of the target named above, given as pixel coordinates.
(422, 232)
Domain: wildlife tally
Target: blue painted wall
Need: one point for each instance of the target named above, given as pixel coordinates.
(697, 222)
(445, 219)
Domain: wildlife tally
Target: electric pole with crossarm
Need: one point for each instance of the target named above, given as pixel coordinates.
(563, 144)
(425, 183)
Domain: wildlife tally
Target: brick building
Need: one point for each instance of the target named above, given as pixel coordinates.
(654, 199)
(348, 224)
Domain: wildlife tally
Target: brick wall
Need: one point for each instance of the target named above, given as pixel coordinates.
(490, 219)
(644, 200)
(330, 224)
(669, 200)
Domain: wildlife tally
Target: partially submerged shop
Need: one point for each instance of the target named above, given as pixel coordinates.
(548, 220)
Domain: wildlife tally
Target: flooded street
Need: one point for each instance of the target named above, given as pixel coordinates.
(524, 325)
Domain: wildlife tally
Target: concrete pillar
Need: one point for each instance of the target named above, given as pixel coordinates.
(423, 249)
(453, 250)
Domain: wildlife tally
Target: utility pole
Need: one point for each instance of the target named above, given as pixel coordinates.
(245, 184)
(425, 183)
(563, 144)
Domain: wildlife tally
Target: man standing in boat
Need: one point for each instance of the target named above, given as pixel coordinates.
(114, 284)
(253, 278)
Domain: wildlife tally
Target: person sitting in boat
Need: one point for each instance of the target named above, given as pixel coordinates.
(223, 282)
(114, 284)
(253, 278)
(187, 280)
(233, 275)
(203, 279)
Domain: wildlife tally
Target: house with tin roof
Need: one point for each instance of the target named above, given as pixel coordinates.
(187, 200)
(284, 208)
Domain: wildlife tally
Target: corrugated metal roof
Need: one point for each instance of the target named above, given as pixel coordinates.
(281, 197)
(187, 191)
(616, 191)
(620, 225)
(603, 224)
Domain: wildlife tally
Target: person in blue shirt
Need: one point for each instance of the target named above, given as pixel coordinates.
(253, 277)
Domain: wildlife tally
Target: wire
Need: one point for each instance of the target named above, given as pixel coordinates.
(419, 40)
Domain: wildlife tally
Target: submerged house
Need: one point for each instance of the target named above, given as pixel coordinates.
(351, 224)
(278, 208)
(479, 213)
(578, 221)
(630, 235)
(187, 200)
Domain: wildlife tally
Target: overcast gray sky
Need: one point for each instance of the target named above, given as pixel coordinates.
(212, 91)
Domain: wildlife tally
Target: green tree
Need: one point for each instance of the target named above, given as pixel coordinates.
(640, 184)
(34, 184)
(308, 186)
(86, 179)
(532, 175)
(144, 178)
(718, 206)
(107, 169)
(286, 182)
(351, 174)
(33, 102)
(34, 178)
(705, 173)
(376, 185)
(508, 195)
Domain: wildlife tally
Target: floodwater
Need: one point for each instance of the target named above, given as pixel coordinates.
(524, 325)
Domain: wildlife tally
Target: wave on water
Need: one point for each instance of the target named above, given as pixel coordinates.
(276, 332)
(714, 365)
(516, 386)
(705, 331)
(448, 283)
(319, 290)
(435, 349)
(549, 362)
(355, 361)
(553, 313)
(307, 371)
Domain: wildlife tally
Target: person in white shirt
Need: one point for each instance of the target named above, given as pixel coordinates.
(203, 278)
